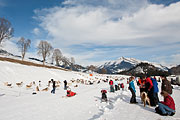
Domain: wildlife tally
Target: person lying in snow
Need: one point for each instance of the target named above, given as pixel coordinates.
(166, 107)
(104, 96)
(70, 93)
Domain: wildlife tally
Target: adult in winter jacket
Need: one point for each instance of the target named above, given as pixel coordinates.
(141, 83)
(156, 90)
(133, 90)
(54, 86)
(150, 90)
(65, 84)
(166, 107)
(111, 83)
(166, 85)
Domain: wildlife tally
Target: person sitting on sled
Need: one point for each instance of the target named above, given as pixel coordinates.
(70, 93)
(104, 96)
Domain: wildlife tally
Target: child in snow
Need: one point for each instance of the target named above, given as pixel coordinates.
(104, 96)
(122, 86)
(166, 107)
(116, 85)
(70, 93)
(111, 86)
(132, 89)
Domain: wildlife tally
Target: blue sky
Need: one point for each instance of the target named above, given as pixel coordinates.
(98, 30)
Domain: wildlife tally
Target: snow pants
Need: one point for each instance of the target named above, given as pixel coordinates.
(151, 97)
(165, 109)
(111, 88)
(156, 98)
(133, 97)
(53, 90)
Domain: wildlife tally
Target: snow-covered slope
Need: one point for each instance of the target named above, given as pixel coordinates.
(18, 103)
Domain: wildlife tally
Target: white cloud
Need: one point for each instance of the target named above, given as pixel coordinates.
(112, 23)
(36, 31)
(74, 26)
(173, 59)
(176, 59)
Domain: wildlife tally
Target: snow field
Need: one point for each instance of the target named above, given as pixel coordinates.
(18, 103)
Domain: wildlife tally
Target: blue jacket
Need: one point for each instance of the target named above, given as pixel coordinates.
(155, 84)
(131, 85)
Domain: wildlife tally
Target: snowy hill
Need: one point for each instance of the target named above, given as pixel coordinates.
(143, 69)
(18, 103)
(124, 64)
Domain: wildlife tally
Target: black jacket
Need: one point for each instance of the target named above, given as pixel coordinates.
(166, 86)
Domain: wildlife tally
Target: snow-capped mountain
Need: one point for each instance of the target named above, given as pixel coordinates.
(119, 65)
(124, 64)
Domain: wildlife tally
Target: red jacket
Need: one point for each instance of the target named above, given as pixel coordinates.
(70, 93)
(148, 80)
(110, 82)
(103, 91)
(122, 85)
(169, 102)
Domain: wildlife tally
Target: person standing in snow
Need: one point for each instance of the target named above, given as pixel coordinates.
(156, 90)
(65, 84)
(54, 86)
(111, 86)
(166, 107)
(132, 89)
(141, 84)
(166, 85)
(116, 85)
(150, 90)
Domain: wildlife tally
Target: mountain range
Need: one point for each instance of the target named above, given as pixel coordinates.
(125, 64)
(120, 66)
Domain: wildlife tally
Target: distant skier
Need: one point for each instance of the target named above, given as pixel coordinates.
(54, 86)
(65, 85)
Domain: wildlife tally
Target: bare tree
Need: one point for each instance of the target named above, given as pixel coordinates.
(57, 56)
(65, 61)
(23, 46)
(72, 61)
(6, 31)
(44, 49)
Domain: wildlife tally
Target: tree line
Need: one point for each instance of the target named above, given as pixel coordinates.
(44, 48)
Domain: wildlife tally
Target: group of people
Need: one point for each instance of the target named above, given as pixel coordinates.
(69, 92)
(115, 86)
(150, 86)
(146, 84)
